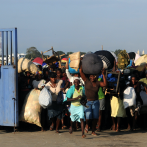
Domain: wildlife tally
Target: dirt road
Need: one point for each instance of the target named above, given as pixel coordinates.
(51, 139)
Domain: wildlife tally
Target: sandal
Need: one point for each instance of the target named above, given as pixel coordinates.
(51, 128)
(83, 136)
(64, 127)
(98, 130)
(70, 131)
(57, 131)
(86, 130)
(94, 134)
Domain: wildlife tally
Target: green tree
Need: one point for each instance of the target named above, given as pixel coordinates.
(83, 53)
(32, 52)
(60, 52)
(117, 51)
(68, 53)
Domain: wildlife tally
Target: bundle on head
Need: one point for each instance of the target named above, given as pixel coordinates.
(92, 64)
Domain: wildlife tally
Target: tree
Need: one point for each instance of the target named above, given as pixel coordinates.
(68, 53)
(83, 53)
(32, 52)
(60, 53)
(117, 51)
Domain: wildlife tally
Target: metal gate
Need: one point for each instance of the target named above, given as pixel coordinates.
(9, 78)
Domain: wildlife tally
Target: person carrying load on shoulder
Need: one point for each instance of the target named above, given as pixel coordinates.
(56, 109)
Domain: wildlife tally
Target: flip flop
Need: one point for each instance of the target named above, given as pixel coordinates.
(64, 127)
(83, 136)
(94, 134)
(57, 131)
(51, 128)
(86, 130)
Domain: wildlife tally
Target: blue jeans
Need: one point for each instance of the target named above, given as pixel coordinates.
(93, 111)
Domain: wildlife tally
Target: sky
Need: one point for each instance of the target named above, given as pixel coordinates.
(77, 25)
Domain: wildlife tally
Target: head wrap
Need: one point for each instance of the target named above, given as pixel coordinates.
(76, 78)
(39, 73)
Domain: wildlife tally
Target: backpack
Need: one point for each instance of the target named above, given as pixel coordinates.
(123, 59)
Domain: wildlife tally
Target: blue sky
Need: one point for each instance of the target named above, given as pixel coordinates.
(77, 25)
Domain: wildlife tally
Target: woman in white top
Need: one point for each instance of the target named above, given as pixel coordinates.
(55, 110)
(72, 78)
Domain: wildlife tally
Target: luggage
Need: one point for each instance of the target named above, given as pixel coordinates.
(45, 98)
(71, 70)
(25, 64)
(129, 97)
(123, 59)
(92, 64)
(136, 57)
(107, 58)
(38, 84)
(143, 96)
(141, 61)
(74, 60)
(31, 110)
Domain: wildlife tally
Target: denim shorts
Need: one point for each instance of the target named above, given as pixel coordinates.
(93, 111)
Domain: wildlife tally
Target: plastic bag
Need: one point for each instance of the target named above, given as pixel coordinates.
(45, 98)
(31, 110)
(129, 97)
(75, 60)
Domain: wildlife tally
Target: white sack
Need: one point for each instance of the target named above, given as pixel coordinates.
(129, 97)
(45, 98)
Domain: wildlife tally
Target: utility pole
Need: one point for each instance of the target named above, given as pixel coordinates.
(102, 47)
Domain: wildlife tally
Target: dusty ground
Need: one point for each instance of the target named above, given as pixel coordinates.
(50, 138)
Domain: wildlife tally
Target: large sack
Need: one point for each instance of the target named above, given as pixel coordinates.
(123, 59)
(74, 60)
(136, 57)
(107, 58)
(141, 61)
(45, 98)
(38, 84)
(114, 55)
(25, 64)
(143, 96)
(71, 70)
(92, 64)
(129, 97)
(31, 110)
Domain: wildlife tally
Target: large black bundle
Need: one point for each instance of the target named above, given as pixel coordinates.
(107, 58)
(92, 64)
(132, 55)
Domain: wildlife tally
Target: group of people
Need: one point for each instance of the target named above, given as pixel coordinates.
(89, 88)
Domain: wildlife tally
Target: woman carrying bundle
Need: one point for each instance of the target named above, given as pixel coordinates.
(91, 91)
(55, 110)
(74, 95)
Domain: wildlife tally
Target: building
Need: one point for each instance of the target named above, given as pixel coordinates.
(21, 55)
